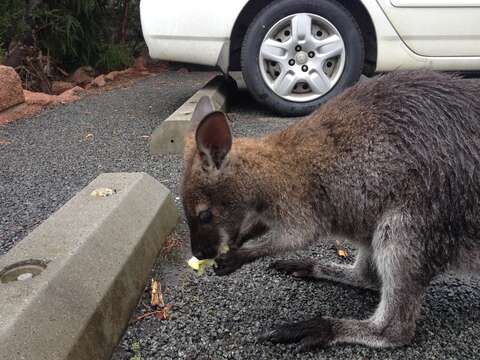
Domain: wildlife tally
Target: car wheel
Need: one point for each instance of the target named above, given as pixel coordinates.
(297, 54)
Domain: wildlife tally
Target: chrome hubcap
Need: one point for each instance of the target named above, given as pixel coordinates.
(302, 57)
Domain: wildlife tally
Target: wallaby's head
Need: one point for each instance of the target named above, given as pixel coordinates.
(213, 195)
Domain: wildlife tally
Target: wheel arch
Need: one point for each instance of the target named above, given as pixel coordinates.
(356, 9)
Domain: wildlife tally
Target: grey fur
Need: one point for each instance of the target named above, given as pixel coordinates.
(393, 165)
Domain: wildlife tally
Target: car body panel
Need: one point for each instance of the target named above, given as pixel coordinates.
(436, 28)
(187, 30)
(434, 3)
(199, 32)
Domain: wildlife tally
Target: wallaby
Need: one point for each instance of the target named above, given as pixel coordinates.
(392, 165)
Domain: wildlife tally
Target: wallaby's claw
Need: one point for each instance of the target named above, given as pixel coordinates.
(228, 263)
(310, 334)
(298, 268)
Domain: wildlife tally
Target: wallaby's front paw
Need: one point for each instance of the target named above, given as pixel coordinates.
(310, 334)
(229, 262)
(299, 268)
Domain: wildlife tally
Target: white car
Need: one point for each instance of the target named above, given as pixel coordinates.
(296, 54)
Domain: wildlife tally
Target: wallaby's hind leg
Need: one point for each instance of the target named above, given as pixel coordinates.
(361, 274)
(400, 267)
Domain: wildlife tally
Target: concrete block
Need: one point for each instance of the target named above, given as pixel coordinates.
(68, 289)
(168, 137)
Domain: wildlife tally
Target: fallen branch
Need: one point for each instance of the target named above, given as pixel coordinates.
(161, 314)
(156, 301)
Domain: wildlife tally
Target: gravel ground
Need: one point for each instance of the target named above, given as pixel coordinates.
(51, 157)
(45, 160)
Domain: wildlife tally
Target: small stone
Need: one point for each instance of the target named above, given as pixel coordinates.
(59, 87)
(99, 81)
(111, 76)
(71, 95)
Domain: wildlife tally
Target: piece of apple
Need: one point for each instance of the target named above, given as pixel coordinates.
(200, 265)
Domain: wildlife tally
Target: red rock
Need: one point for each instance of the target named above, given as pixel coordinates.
(83, 75)
(59, 87)
(126, 71)
(37, 98)
(11, 92)
(99, 81)
(111, 76)
(36, 102)
(71, 95)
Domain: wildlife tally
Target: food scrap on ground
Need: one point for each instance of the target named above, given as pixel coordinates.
(103, 192)
(341, 251)
(200, 265)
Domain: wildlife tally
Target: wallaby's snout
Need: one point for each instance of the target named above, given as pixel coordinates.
(211, 203)
(216, 192)
(205, 240)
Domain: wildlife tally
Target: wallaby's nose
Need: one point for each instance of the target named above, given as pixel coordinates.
(204, 253)
(199, 254)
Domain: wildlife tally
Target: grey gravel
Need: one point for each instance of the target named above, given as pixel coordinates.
(45, 160)
(49, 159)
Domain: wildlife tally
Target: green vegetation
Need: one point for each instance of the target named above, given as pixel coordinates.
(12, 22)
(114, 57)
(2, 54)
(104, 34)
(12, 25)
(69, 32)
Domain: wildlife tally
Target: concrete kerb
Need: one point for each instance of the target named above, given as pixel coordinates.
(168, 137)
(92, 258)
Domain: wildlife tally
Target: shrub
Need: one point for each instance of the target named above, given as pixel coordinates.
(73, 32)
(12, 24)
(70, 31)
(114, 57)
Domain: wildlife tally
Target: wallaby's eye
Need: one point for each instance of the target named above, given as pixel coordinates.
(205, 216)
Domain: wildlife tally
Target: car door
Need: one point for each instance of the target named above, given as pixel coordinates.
(436, 27)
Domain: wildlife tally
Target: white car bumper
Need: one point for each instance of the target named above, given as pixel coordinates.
(188, 30)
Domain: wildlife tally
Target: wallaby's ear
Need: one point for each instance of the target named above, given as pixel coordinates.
(203, 108)
(214, 139)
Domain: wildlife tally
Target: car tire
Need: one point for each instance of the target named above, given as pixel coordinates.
(328, 20)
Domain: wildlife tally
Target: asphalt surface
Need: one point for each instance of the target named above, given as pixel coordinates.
(49, 158)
